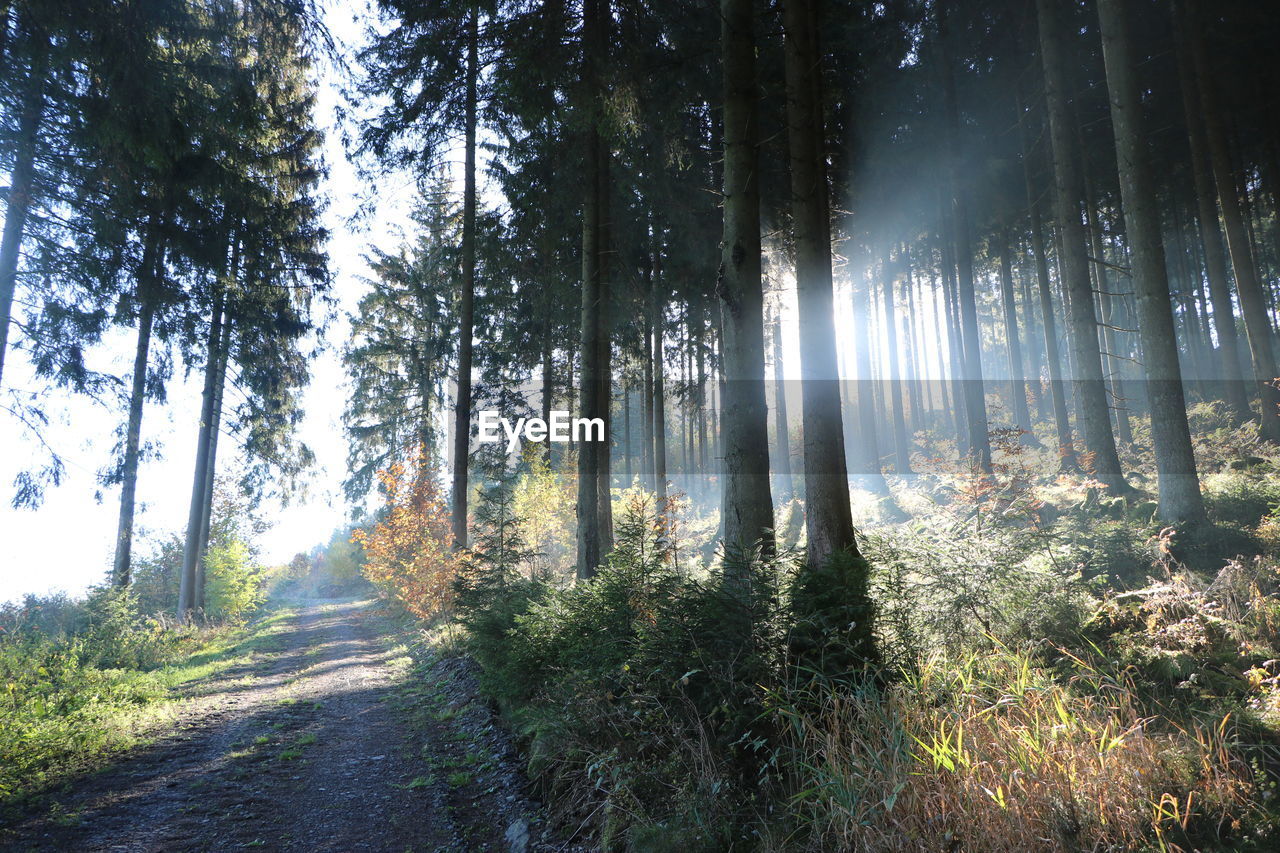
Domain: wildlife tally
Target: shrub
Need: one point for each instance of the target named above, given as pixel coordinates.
(1242, 496)
(234, 582)
(408, 552)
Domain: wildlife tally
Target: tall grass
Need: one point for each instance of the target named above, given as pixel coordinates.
(994, 753)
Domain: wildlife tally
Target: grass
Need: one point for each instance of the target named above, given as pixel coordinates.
(990, 751)
(69, 701)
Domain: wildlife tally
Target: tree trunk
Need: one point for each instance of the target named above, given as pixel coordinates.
(466, 299)
(975, 402)
(548, 372)
(744, 437)
(828, 518)
(191, 554)
(1253, 300)
(590, 524)
(206, 516)
(648, 464)
(955, 346)
(1111, 364)
(1094, 416)
(657, 321)
(21, 181)
(786, 486)
(122, 571)
(1180, 500)
(1067, 461)
(626, 432)
(901, 446)
(1017, 385)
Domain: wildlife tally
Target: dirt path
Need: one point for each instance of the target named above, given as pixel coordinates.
(323, 743)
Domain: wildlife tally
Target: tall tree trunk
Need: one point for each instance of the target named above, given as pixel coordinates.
(1111, 364)
(1094, 416)
(901, 445)
(21, 184)
(828, 517)
(191, 554)
(548, 371)
(913, 362)
(648, 464)
(1180, 499)
(975, 402)
(702, 393)
(955, 345)
(748, 510)
(215, 424)
(590, 525)
(948, 413)
(657, 311)
(868, 472)
(786, 486)
(604, 449)
(466, 299)
(1034, 343)
(626, 432)
(1253, 299)
(1067, 460)
(1017, 385)
(151, 259)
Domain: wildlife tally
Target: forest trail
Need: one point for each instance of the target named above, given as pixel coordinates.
(321, 743)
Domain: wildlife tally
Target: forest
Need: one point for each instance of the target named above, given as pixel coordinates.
(770, 425)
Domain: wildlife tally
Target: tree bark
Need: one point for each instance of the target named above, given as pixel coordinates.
(592, 382)
(21, 184)
(1179, 486)
(466, 298)
(215, 424)
(121, 573)
(975, 402)
(191, 555)
(1091, 394)
(901, 446)
(786, 485)
(828, 517)
(1067, 461)
(744, 437)
(1017, 385)
(657, 312)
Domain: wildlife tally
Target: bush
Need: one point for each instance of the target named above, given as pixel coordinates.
(1242, 497)
(235, 585)
(70, 671)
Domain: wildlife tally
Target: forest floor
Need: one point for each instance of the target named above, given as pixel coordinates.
(344, 732)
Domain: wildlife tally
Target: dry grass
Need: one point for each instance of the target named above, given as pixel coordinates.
(992, 754)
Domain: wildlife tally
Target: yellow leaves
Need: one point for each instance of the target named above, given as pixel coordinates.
(408, 553)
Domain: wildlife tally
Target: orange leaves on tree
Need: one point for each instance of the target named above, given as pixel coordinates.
(408, 552)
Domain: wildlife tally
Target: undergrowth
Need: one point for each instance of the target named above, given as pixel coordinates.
(1039, 681)
(81, 680)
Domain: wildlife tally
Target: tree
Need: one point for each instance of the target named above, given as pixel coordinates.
(828, 519)
(1180, 499)
(748, 503)
(1091, 396)
(594, 391)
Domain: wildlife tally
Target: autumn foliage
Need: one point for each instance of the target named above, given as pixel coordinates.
(408, 552)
